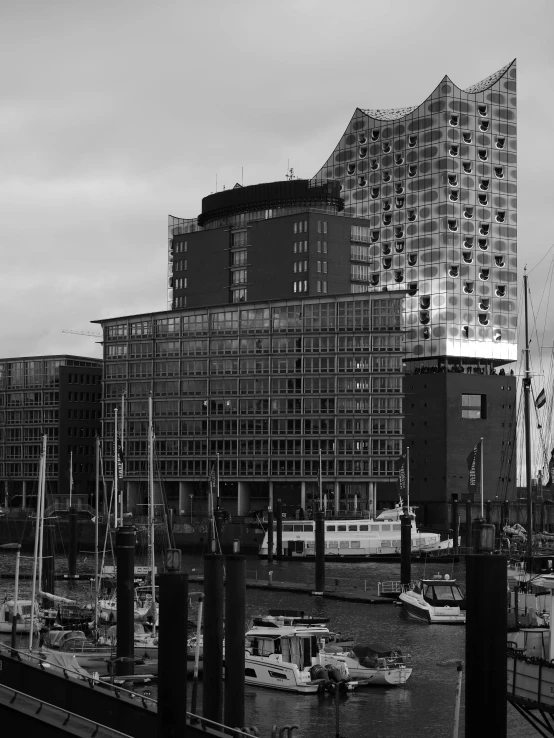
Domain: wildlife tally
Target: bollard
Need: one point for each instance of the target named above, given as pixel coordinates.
(405, 549)
(72, 549)
(270, 578)
(235, 597)
(320, 552)
(486, 625)
(455, 525)
(125, 541)
(270, 535)
(212, 702)
(172, 649)
(469, 524)
(488, 511)
(279, 521)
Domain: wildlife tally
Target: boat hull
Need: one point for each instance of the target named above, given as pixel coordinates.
(530, 682)
(433, 616)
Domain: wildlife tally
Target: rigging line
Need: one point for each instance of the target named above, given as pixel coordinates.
(540, 262)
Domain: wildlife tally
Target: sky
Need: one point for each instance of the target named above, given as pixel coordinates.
(115, 114)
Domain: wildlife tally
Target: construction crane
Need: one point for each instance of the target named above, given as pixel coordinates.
(82, 333)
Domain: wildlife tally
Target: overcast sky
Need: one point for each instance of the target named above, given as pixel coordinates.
(114, 114)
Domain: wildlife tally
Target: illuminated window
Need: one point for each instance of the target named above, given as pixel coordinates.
(474, 407)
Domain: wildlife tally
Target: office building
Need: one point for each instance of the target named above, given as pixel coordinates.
(56, 396)
(267, 386)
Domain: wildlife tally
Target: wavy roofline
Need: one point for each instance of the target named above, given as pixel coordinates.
(388, 114)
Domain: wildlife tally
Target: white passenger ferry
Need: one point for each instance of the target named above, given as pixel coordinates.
(351, 539)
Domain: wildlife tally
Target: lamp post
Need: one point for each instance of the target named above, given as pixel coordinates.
(16, 547)
(191, 499)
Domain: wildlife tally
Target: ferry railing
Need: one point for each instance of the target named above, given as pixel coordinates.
(149, 703)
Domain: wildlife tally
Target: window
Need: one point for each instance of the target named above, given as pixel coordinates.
(474, 407)
(239, 295)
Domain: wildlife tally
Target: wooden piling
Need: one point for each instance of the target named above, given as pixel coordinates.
(125, 540)
(212, 702)
(235, 598)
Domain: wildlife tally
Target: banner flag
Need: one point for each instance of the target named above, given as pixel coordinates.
(474, 468)
(550, 471)
(120, 457)
(541, 399)
(400, 469)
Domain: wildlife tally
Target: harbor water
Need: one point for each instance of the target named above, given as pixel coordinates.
(423, 707)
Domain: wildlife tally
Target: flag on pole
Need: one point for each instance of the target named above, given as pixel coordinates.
(474, 468)
(541, 399)
(550, 471)
(211, 478)
(120, 457)
(400, 469)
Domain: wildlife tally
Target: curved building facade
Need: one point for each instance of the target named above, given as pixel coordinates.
(436, 184)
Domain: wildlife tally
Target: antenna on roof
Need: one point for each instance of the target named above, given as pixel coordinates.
(290, 174)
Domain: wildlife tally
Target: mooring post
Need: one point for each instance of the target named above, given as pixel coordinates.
(125, 541)
(405, 549)
(486, 626)
(320, 552)
(269, 535)
(469, 524)
(455, 525)
(72, 549)
(212, 701)
(235, 598)
(172, 649)
(279, 522)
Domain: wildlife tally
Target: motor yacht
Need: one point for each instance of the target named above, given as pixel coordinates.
(438, 600)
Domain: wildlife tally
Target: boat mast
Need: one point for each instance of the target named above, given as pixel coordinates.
(120, 452)
(151, 508)
(320, 480)
(527, 409)
(96, 513)
(115, 484)
(70, 476)
(40, 514)
(42, 471)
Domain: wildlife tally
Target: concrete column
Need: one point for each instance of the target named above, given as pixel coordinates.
(303, 495)
(372, 499)
(270, 500)
(23, 495)
(243, 498)
(337, 498)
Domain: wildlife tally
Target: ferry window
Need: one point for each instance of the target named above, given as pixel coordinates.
(341, 527)
(333, 544)
(297, 528)
(364, 527)
(287, 528)
(308, 528)
(396, 526)
(385, 527)
(344, 544)
(375, 527)
(331, 527)
(352, 527)
(354, 544)
(250, 673)
(277, 675)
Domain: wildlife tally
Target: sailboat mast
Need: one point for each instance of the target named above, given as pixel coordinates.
(40, 513)
(527, 410)
(42, 466)
(151, 508)
(121, 455)
(96, 513)
(115, 484)
(70, 476)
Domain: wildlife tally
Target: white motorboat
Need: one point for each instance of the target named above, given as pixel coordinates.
(371, 665)
(288, 659)
(353, 539)
(438, 600)
(23, 616)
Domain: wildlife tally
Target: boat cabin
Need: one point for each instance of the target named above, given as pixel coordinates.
(23, 611)
(441, 592)
(288, 645)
